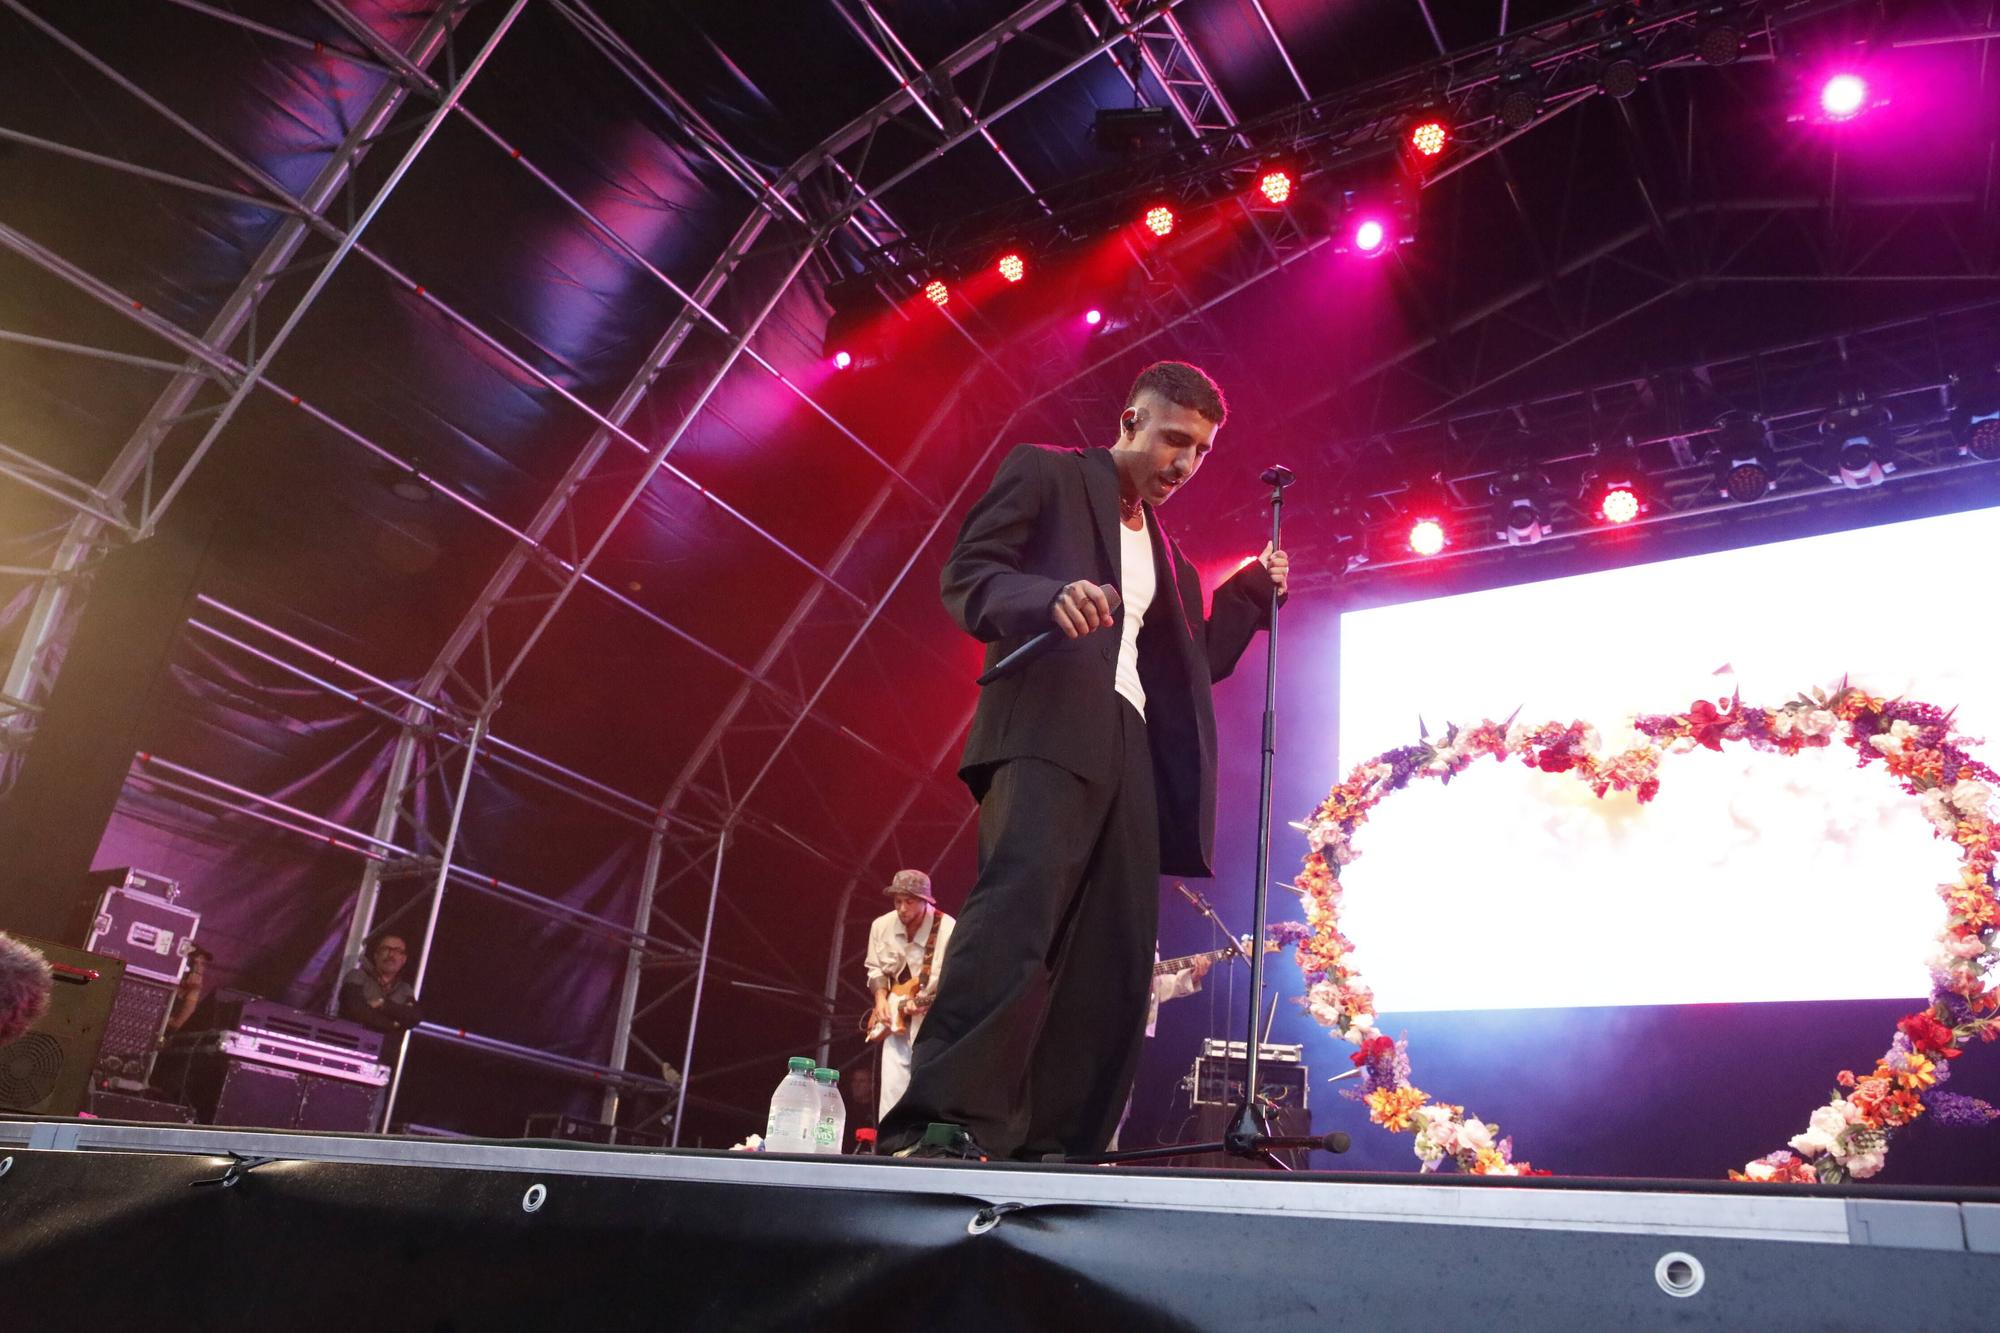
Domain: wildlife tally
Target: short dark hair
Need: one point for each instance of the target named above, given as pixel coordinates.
(1184, 386)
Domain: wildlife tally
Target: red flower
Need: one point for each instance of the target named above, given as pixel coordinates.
(1376, 1047)
(1708, 723)
(1928, 1035)
(1552, 762)
(1648, 790)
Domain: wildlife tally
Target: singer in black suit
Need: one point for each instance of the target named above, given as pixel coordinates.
(1094, 766)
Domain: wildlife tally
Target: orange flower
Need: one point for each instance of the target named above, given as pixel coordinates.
(1391, 1107)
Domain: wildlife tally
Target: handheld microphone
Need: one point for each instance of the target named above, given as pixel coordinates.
(1040, 643)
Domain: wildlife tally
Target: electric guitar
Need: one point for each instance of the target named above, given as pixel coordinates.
(901, 995)
(1240, 949)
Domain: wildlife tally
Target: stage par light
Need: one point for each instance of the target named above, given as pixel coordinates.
(1426, 536)
(1159, 220)
(1369, 236)
(1975, 414)
(1843, 95)
(1428, 137)
(1093, 317)
(1858, 442)
(1741, 457)
(1276, 186)
(1519, 99)
(842, 359)
(937, 293)
(1012, 267)
(1620, 504)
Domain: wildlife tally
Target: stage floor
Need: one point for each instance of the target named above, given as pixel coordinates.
(100, 1220)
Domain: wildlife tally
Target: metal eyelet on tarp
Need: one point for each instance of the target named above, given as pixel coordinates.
(537, 1195)
(989, 1217)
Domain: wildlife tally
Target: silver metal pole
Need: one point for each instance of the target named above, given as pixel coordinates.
(326, 271)
(700, 979)
(437, 903)
(835, 952)
(635, 962)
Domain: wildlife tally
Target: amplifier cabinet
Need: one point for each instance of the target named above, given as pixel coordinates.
(228, 1091)
(330, 1106)
(105, 1105)
(237, 1092)
(1218, 1081)
(132, 1035)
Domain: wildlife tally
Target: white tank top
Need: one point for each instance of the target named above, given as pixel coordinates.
(1138, 582)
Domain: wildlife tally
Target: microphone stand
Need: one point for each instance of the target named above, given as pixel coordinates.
(1249, 1135)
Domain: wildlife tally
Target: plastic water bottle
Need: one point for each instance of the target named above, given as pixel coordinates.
(831, 1130)
(794, 1110)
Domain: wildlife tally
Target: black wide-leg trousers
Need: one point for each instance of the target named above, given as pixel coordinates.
(1041, 1010)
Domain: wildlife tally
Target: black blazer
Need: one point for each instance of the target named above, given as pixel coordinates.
(1049, 518)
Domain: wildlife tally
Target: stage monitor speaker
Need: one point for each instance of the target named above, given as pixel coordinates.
(47, 1070)
(334, 1106)
(54, 817)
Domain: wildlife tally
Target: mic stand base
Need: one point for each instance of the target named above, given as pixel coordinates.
(1249, 1138)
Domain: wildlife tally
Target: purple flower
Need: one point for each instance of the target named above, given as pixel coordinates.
(1952, 1108)
(1290, 933)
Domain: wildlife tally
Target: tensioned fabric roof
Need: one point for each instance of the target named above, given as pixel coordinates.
(548, 460)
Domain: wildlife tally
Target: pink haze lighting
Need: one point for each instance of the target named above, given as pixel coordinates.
(1426, 536)
(841, 360)
(1093, 317)
(1369, 234)
(1843, 96)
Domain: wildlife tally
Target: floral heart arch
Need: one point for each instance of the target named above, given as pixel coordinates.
(1848, 1138)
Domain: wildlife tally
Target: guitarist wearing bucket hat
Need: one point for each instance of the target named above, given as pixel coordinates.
(905, 959)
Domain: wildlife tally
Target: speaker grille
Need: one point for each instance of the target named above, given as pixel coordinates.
(29, 1070)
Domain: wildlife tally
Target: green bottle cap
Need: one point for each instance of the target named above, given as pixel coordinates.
(827, 1075)
(801, 1064)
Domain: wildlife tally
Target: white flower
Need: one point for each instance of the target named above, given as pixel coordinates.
(1475, 1135)
(1360, 1028)
(1937, 809)
(1760, 1171)
(1781, 725)
(1969, 797)
(1823, 1133)
(1818, 722)
(1964, 946)
(1865, 1164)
(1591, 741)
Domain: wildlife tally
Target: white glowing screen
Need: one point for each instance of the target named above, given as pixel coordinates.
(1752, 876)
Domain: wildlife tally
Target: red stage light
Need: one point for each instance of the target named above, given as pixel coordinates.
(1093, 317)
(1843, 96)
(1276, 186)
(936, 292)
(1160, 220)
(1428, 138)
(841, 360)
(1621, 505)
(1369, 235)
(1013, 267)
(1426, 536)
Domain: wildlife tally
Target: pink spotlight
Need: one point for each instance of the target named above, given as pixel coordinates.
(1093, 317)
(1843, 96)
(841, 360)
(1369, 235)
(1426, 536)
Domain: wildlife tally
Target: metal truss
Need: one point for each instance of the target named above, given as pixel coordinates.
(1663, 425)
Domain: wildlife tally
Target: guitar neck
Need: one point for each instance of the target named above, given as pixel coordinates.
(1160, 969)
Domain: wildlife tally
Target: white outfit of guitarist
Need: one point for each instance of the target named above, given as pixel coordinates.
(894, 954)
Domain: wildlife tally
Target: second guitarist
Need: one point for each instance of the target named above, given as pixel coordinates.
(906, 949)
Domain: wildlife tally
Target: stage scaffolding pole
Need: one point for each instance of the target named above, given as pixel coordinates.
(635, 962)
(437, 904)
(700, 981)
(136, 455)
